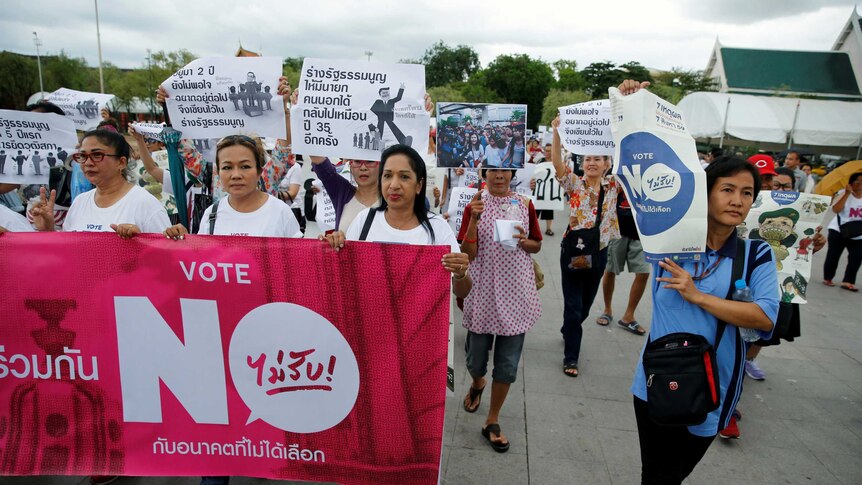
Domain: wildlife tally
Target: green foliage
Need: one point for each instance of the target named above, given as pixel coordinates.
(19, 78)
(444, 94)
(444, 64)
(599, 76)
(476, 90)
(291, 68)
(558, 98)
(522, 80)
(62, 71)
(687, 81)
(568, 77)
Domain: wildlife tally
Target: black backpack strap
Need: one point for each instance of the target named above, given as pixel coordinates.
(736, 274)
(367, 226)
(601, 202)
(213, 215)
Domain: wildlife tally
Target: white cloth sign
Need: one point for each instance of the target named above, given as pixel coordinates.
(548, 194)
(788, 222)
(470, 177)
(657, 165)
(461, 196)
(85, 109)
(585, 128)
(355, 109)
(149, 130)
(214, 97)
(325, 211)
(521, 180)
(32, 143)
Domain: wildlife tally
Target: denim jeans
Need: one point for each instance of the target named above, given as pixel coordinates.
(579, 291)
(507, 354)
(215, 480)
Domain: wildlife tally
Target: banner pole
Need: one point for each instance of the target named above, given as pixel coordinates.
(724, 126)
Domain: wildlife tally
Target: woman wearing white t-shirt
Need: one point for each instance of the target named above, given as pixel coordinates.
(402, 216)
(115, 204)
(290, 191)
(848, 211)
(11, 221)
(246, 210)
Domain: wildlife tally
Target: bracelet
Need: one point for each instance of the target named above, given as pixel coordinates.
(471, 241)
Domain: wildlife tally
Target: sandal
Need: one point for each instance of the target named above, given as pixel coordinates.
(567, 368)
(633, 327)
(849, 287)
(475, 396)
(498, 446)
(607, 318)
(828, 283)
(549, 232)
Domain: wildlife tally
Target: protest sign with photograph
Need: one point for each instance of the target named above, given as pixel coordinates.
(657, 165)
(585, 128)
(33, 143)
(788, 222)
(211, 363)
(548, 194)
(214, 97)
(356, 109)
(85, 109)
(481, 135)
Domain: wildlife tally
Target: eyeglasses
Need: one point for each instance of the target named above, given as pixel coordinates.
(367, 163)
(96, 157)
(778, 186)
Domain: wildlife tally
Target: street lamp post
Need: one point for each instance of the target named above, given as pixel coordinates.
(369, 54)
(150, 83)
(39, 63)
(99, 44)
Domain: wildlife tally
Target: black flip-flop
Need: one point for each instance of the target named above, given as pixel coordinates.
(495, 429)
(475, 396)
(849, 287)
(568, 367)
(632, 327)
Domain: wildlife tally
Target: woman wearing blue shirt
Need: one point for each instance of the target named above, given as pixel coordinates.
(691, 298)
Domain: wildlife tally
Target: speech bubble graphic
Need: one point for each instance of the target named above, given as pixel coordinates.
(293, 368)
(660, 183)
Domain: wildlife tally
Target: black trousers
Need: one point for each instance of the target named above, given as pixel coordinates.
(668, 453)
(837, 244)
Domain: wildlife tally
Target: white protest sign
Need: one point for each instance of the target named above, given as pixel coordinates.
(219, 96)
(85, 109)
(657, 165)
(33, 143)
(521, 180)
(325, 215)
(788, 222)
(548, 194)
(461, 196)
(149, 130)
(585, 128)
(470, 178)
(355, 109)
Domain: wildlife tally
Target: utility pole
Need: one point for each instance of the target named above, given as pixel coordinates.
(369, 54)
(150, 83)
(99, 43)
(39, 63)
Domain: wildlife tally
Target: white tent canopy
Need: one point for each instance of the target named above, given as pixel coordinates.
(773, 119)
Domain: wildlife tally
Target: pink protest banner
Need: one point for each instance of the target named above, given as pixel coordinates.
(262, 357)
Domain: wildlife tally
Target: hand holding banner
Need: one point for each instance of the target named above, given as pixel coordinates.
(219, 96)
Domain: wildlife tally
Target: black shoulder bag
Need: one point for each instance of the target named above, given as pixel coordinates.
(849, 229)
(581, 247)
(681, 371)
(212, 218)
(367, 225)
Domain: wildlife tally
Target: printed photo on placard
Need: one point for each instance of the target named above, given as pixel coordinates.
(477, 135)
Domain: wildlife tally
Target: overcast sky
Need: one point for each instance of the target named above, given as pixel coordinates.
(659, 34)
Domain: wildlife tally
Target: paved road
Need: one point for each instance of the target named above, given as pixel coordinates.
(802, 425)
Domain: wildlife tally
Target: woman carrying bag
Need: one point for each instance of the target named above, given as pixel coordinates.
(845, 231)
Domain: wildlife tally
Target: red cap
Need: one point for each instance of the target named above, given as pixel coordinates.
(764, 163)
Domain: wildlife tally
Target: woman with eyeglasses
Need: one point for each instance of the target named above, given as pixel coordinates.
(115, 204)
(245, 210)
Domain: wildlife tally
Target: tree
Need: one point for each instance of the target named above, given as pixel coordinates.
(521, 79)
(568, 77)
(558, 98)
(444, 64)
(688, 81)
(62, 71)
(443, 94)
(599, 76)
(19, 78)
(476, 90)
(634, 70)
